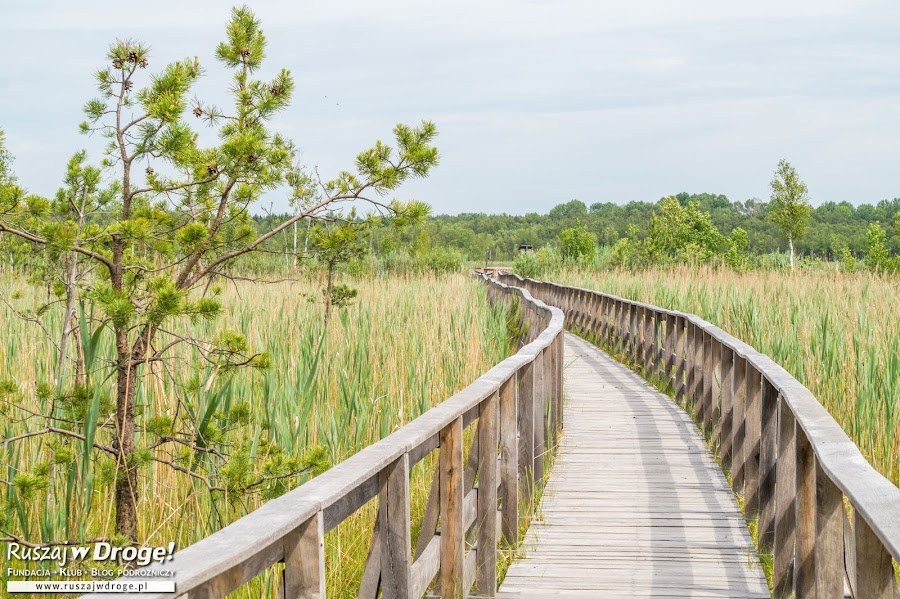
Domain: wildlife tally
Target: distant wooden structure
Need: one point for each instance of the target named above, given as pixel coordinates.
(493, 271)
(525, 248)
(635, 505)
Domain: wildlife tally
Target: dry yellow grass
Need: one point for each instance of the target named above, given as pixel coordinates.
(401, 347)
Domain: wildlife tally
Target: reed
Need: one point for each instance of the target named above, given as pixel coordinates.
(404, 345)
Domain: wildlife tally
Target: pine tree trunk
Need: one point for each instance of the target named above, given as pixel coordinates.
(791, 245)
(68, 317)
(126, 480)
(295, 246)
(328, 292)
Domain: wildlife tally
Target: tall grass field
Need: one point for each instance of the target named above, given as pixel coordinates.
(837, 333)
(402, 346)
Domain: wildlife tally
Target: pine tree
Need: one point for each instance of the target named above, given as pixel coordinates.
(178, 214)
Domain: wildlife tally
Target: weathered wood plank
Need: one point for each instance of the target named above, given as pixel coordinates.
(829, 539)
(874, 570)
(509, 462)
(486, 521)
(394, 528)
(753, 421)
(304, 561)
(805, 568)
(635, 501)
(452, 529)
(525, 415)
(768, 458)
(785, 493)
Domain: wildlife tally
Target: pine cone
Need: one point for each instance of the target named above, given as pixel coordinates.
(277, 90)
(143, 63)
(245, 52)
(198, 112)
(117, 64)
(251, 158)
(128, 85)
(132, 56)
(150, 171)
(212, 168)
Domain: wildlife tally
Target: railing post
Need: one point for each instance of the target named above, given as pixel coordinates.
(739, 428)
(768, 453)
(659, 341)
(604, 318)
(690, 358)
(634, 331)
(715, 390)
(560, 381)
(555, 390)
(805, 566)
(526, 431)
(619, 320)
(452, 539)
(829, 538)
(645, 350)
(671, 383)
(394, 528)
(753, 419)
(874, 567)
(726, 401)
(304, 561)
(707, 413)
(680, 359)
(539, 405)
(486, 548)
(785, 506)
(699, 364)
(550, 392)
(509, 461)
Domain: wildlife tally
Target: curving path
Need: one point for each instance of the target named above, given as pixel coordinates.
(636, 506)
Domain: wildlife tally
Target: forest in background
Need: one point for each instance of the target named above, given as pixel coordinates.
(835, 232)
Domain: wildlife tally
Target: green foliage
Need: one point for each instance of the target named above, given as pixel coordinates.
(577, 244)
(571, 210)
(737, 256)
(28, 484)
(442, 260)
(526, 265)
(337, 243)
(877, 255)
(316, 459)
(341, 295)
(789, 208)
(628, 251)
(682, 234)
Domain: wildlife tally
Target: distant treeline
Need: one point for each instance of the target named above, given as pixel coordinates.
(834, 228)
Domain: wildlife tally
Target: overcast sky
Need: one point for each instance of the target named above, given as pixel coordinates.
(536, 102)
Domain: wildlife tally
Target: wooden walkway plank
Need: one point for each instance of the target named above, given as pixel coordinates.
(636, 505)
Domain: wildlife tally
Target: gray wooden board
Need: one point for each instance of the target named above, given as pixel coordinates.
(635, 506)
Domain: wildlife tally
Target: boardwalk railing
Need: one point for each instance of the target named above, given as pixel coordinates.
(516, 407)
(792, 463)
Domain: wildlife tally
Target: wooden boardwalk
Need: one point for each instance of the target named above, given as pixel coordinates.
(636, 506)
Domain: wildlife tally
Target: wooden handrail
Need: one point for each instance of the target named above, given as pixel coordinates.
(789, 459)
(517, 406)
